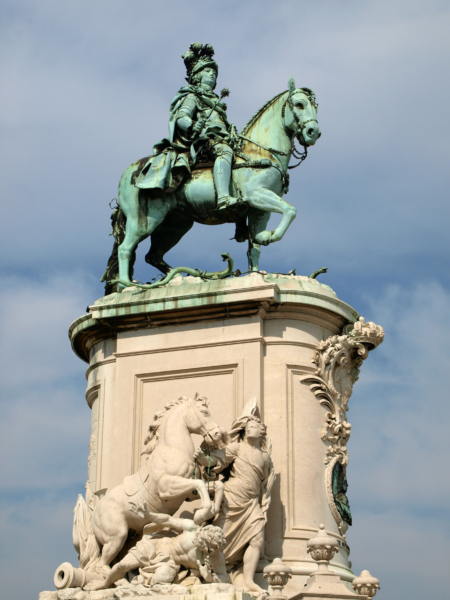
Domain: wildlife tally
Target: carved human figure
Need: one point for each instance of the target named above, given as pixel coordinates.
(247, 496)
(159, 559)
(198, 127)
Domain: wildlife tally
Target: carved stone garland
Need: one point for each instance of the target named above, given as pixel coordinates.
(338, 360)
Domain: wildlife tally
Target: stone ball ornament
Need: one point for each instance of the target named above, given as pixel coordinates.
(322, 546)
(366, 584)
(277, 575)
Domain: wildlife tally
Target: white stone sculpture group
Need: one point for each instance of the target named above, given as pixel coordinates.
(226, 531)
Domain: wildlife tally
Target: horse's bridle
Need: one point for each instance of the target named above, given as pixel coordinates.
(312, 99)
(203, 429)
(300, 127)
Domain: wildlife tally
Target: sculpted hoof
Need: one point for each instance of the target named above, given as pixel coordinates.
(203, 514)
(264, 238)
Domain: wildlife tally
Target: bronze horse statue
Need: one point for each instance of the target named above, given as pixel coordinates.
(260, 178)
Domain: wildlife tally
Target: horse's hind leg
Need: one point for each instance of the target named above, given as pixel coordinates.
(110, 528)
(112, 547)
(165, 237)
(143, 217)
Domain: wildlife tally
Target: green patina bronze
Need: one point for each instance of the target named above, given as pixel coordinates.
(339, 486)
(178, 270)
(206, 172)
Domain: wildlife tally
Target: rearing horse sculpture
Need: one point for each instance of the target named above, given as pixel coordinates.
(262, 151)
(164, 479)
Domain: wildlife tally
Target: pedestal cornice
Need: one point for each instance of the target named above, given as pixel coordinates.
(191, 299)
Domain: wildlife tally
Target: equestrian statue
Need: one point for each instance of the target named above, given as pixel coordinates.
(206, 172)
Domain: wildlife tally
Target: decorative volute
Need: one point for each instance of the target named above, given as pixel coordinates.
(338, 361)
(366, 584)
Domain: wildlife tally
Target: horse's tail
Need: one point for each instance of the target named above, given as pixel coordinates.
(84, 540)
(119, 224)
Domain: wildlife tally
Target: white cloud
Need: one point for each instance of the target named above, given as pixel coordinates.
(85, 97)
(407, 554)
(35, 317)
(87, 91)
(398, 470)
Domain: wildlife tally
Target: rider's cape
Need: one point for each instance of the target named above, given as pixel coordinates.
(174, 156)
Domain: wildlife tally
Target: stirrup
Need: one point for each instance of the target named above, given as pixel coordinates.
(225, 201)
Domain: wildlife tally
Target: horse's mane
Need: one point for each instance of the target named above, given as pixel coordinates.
(259, 112)
(152, 435)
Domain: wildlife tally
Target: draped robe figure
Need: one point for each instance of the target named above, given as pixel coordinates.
(247, 494)
(242, 517)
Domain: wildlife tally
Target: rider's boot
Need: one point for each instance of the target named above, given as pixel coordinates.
(222, 178)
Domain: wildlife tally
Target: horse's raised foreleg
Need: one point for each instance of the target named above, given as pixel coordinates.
(143, 217)
(173, 486)
(267, 201)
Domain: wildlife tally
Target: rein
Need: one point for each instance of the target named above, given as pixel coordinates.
(267, 163)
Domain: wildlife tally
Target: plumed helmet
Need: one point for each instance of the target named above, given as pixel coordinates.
(197, 58)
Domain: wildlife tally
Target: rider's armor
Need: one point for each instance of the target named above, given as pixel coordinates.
(174, 156)
(215, 137)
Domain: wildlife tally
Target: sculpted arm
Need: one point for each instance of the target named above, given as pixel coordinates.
(219, 459)
(267, 484)
(186, 113)
(219, 567)
(179, 524)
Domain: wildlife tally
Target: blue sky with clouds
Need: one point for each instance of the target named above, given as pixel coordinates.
(85, 90)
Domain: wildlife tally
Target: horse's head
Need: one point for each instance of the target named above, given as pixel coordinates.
(300, 114)
(199, 420)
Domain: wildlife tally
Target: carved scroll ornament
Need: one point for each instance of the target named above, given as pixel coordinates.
(338, 361)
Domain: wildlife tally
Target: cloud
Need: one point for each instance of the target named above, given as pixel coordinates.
(44, 423)
(405, 553)
(86, 91)
(399, 444)
(87, 97)
(44, 427)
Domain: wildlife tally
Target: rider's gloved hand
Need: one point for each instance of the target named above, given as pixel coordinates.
(198, 126)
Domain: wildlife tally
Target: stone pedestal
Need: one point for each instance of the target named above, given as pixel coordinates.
(231, 340)
(212, 591)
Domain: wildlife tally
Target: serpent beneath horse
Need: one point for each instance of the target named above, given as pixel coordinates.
(262, 153)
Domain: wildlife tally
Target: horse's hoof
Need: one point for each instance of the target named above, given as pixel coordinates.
(263, 238)
(203, 514)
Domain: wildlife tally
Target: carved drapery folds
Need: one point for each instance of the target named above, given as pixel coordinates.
(338, 360)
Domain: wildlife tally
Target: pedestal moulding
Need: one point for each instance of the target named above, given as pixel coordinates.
(260, 336)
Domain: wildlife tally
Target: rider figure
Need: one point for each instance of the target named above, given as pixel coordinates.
(198, 125)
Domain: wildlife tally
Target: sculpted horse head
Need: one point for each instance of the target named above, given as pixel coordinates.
(178, 418)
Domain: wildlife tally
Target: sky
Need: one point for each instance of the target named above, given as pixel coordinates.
(85, 89)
